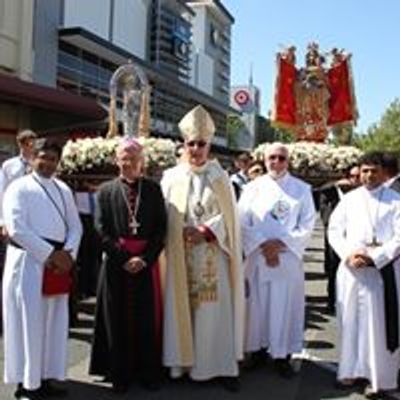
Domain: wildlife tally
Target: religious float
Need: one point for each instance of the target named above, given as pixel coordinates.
(312, 101)
(93, 159)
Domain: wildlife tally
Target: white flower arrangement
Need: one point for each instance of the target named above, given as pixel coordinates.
(98, 155)
(317, 159)
(158, 153)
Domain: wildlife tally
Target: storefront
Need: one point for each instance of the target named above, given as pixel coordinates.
(40, 108)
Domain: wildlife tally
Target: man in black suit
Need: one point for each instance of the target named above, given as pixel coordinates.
(330, 195)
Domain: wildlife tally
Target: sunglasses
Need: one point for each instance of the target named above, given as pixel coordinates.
(255, 171)
(278, 157)
(198, 143)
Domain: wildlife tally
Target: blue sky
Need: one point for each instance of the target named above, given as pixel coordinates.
(369, 29)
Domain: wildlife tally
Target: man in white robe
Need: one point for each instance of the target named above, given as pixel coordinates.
(18, 166)
(364, 230)
(204, 299)
(11, 169)
(44, 232)
(277, 217)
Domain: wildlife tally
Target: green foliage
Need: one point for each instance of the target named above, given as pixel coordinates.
(384, 135)
(284, 135)
(267, 132)
(342, 134)
(233, 127)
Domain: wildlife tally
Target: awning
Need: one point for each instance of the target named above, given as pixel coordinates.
(17, 91)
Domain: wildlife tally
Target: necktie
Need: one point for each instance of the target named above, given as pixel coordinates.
(26, 166)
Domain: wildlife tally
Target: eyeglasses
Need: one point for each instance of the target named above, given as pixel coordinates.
(278, 157)
(198, 143)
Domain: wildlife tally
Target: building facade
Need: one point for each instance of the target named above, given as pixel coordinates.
(246, 100)
(73, 47)
(90, 51)
(28, 71)
(211, 59)
(16, 24)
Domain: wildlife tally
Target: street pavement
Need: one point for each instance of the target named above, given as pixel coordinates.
(316, 366)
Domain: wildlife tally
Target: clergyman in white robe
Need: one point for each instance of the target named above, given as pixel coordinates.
(360, 302)
(35, 327)
(204, 299)
(283, 209)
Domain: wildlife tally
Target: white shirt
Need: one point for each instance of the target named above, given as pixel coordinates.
(12, 169)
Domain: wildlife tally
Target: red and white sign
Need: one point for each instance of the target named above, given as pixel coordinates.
(241, 97)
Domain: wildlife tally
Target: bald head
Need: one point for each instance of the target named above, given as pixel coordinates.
(129, 145)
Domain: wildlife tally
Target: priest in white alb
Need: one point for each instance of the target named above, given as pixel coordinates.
(44, 233)
(203, 320)
(277, 217)
(364, 230)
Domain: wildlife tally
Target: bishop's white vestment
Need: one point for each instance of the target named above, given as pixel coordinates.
(204, 299)
(275, 209)
(35, 327)
(361, 218)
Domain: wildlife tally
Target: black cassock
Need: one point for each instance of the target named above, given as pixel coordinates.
(328, 200)
(127, 336)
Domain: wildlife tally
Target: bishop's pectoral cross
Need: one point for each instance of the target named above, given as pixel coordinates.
(134, 225)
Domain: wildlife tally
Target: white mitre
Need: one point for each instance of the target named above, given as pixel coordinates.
(197, 124)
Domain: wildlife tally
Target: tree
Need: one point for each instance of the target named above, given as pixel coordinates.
(385, 135)
(266, 132)
(233, 127)
(342, 134)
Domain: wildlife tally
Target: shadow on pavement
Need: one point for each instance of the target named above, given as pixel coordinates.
(313, 382)
(316, 299)
(317, 383)
(318, 344)
(315, 276)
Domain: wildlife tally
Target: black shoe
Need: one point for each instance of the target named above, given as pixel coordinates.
(284, 368)
(25, 394)
(231, 384)
(255, 360)
(340, 385)
(17, 393)
(370, 394)
(120, 388)
(152, 385)
(51, 389)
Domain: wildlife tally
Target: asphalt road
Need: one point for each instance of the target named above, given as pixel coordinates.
(316, 365)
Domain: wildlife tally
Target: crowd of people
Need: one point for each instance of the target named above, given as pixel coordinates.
(198, 272)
